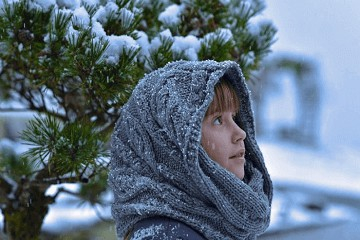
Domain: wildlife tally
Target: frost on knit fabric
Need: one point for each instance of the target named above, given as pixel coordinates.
(147, 232)
(158, 167)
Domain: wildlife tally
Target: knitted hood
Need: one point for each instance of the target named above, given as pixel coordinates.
(158, 167)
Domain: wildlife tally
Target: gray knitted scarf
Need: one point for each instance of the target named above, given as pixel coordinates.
(158, 167)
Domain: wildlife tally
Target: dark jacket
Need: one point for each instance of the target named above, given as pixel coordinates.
(163, 228)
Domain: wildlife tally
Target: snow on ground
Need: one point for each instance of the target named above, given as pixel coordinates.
(309, 183)
(69, 213)
(321, 170)
(336, 168)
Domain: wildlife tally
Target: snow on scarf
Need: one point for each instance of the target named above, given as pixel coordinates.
(158, 167)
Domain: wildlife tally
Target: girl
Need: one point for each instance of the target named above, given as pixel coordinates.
(185, 163)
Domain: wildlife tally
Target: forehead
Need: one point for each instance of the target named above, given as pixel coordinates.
(225, 98)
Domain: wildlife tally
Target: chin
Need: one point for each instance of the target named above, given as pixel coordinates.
(240, 175)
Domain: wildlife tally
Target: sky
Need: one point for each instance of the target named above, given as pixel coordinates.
(329, 32)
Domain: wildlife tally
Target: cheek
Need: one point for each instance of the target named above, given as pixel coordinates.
(207, 143)
(209, 140)
(213, 149)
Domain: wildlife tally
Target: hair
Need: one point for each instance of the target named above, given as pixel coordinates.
(225, 98)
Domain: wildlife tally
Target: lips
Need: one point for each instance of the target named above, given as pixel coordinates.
(239, 155)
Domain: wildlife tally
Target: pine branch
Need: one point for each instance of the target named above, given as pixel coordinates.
(5, 189)
(50, 57)
(64, 190)
(56, 180)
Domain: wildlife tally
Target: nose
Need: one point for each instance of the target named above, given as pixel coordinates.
(238, 134)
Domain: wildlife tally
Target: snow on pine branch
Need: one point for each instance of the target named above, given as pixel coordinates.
(186, 45)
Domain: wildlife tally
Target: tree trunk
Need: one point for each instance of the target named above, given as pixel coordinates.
(24, 217)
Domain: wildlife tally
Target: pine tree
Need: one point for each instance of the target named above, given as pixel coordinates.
(75, 64)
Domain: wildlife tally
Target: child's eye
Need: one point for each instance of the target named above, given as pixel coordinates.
(217, 121)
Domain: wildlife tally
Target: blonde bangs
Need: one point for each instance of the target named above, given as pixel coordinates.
(225, 98)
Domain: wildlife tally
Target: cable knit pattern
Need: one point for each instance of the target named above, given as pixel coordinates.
(158, 167)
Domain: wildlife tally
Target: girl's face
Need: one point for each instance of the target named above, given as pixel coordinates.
(223, 140)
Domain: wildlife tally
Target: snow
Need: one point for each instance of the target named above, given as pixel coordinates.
(81, 17)
(9, 1)
(69, 213)
(221, 33)
(70, 4)
(243, 9)
(111, 7)
(291, 168)
(91, 2)
(17, 147)
(225, 2)
(143, 41)
(127, 17)
(171, 15)
(305, 177)
(156, 42)
(189, 44)
(98, 29)
(42, 5)
(293, 210)
(144, 233)
(118, 44)
(333, 168)
(100, 15)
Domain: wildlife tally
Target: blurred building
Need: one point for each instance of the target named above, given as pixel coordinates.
(296, 81)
